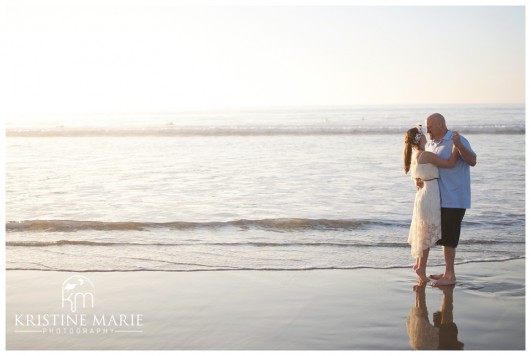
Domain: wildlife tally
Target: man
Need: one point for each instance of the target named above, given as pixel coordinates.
(444, 320)
(454, 185)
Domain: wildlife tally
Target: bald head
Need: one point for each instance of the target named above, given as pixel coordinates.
(436, 126)
(436, 119)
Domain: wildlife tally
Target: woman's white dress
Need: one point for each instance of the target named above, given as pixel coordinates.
(425, 227)
(422, 334)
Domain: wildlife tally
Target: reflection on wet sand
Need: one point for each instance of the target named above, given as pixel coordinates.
(442, 334)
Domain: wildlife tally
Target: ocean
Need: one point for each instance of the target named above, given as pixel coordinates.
(261, 189)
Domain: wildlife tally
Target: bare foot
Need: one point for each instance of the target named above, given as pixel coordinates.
(422, 276)
(444, 282)
(422, 281)
(436, 276)
(420, 286)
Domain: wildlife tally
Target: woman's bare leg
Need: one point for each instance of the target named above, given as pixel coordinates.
(421, 270)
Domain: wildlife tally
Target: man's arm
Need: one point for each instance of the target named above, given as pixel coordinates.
(467, 156)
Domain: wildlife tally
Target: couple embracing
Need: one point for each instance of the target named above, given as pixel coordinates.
(441, 169)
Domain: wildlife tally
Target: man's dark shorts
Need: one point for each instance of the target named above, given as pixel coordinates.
(451, 219)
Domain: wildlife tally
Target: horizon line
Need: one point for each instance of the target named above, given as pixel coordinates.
(247, 108)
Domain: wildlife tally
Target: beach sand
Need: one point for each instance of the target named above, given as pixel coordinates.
(363, 309)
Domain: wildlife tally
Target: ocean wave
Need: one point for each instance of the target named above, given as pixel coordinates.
(21, 243)
(207, 268)
(259, 244)
(273, 224)
(308, 130)
(279, 224)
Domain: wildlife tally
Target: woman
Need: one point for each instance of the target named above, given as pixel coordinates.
(425, 227)
(422, 334)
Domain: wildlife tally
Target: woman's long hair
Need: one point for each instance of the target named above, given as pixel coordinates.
(412, 139)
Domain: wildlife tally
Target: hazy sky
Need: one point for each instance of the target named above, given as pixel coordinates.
(82, 56)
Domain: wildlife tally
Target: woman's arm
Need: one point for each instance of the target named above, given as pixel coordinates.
(429, 157)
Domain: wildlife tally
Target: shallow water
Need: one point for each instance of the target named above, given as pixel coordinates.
(288, 190)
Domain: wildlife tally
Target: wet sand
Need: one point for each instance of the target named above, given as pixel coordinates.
(363, 309)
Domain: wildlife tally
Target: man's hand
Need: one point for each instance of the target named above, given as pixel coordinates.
(456, 138)
(419, 183)
(466, 155)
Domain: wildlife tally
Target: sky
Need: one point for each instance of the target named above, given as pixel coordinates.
(140, 56)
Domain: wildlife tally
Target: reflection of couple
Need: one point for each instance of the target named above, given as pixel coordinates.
(441, 168)
(442, 334)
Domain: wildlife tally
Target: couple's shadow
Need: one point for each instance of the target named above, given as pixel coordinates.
(442, 334)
